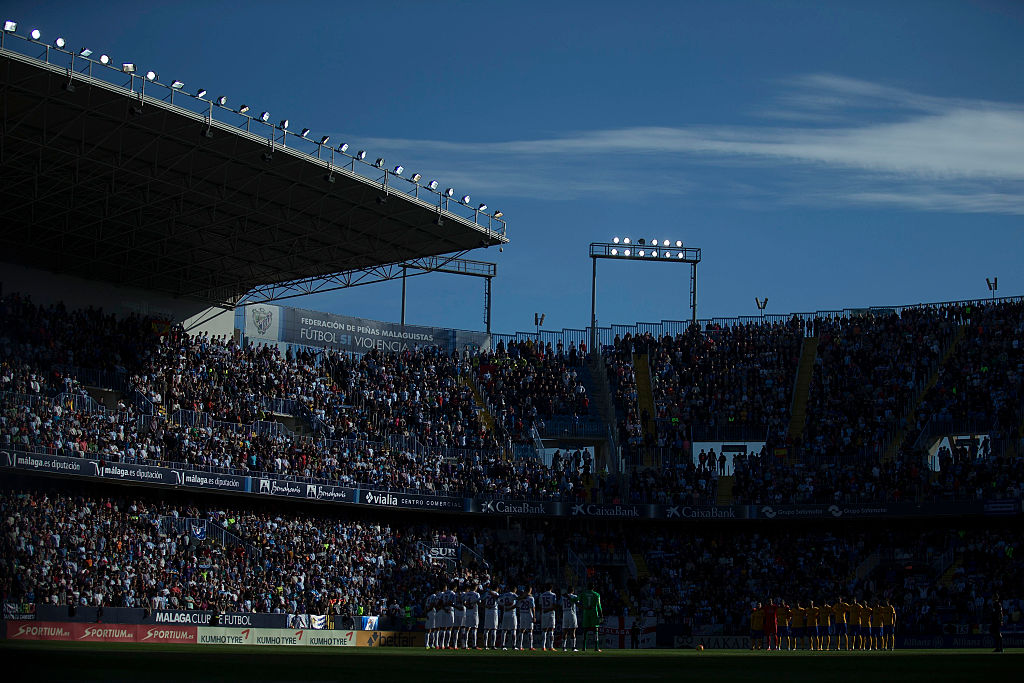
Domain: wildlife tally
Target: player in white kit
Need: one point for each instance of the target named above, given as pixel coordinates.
(507, 601)
(471, 602)
(490, 600)
(447, 616)
(526, 607)
(459, 627)
(569, 622)
(548, 604)
(431, 616)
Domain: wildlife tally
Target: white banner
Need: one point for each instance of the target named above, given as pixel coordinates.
(217, 635)
(615, 632)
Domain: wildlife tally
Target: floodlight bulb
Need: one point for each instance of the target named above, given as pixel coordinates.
(361, 154)
(10, 26)
(128, 67)
(654, 253)
(432, 185)
(625, 252)
(222, 100)
(379, 163)
(305, 132)
(398, 170)
(265, 116)
(625, 240)
(60, 42)
(85, 52)
(642, 253)
(416, 177)
(243, 109)
(465, 199)
(343, 147)
(615, 240)
(679, 243)
(284, 124)
(150, 75)
(201, 92)
(481, 207)
(104, 59)
(324, 139)
(36, 35)
(450, 192)
(615, 252)
(499, 214)
(680, 254)
(177, 85)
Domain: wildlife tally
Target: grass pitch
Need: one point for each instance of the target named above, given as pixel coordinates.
(130, 662)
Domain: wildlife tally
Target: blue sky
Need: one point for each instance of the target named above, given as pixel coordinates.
(822, 154)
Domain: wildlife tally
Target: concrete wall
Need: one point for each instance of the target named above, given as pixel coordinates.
(47, 288)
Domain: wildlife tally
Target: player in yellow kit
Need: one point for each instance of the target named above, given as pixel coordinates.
(784, 615)
(756, 627)
(877, 620)
(853, 619)
(839, 612)
(812, 624)
(889, 626)
(824, 626)
(798, 622)
(865, 625)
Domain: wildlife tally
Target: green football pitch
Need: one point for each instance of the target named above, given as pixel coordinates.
(92, 661)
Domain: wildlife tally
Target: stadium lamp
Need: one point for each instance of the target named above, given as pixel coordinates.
(450, 192)
(283, 125)
(265, 116)
(343, 147)
(399, 170)
(201, 92)
(222, 100)
(499, 214)
(36, 35)
(304, 133)
(615, 252)
(361, 154)
(243, 109)
(177, 85)
(465, 199)
(654, 253)
(324, 139)
(416, 177)
(625, 240)
(379, 163)
(60, 43)
(640, 241)
(615, 240)
(679, 243)
(104, 59)
(128, 67)
(626, 252)
(10, 26)
(432, 185)
(682, 255)
(664, 243)
(84, 52)
(642, 253)
(481, 207)
(151, 76)
(654, 243)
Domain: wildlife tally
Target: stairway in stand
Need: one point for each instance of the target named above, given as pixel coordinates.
(724, 491)
(802, 390)
(645, 403)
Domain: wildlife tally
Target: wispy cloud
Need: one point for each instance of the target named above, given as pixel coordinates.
(868, 143)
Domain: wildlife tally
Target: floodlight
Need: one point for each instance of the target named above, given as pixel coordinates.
(482, 207)
(450, 192)
(654, 243)
(284, 124)
(361, 154)
(36, 35)
(432, 185)
(151, 76)
(265, 116)
(343, 147)
(615, 252)
(305, 132)
(177, 85)
(398, 170)
(681, 255)
(615, 240)
(654, 253)
(664, 243)
(85, 52)
(201, 92)
(128, 67)
(640, 241)
(679, 243)
(625, 240)
(222, 100)
(416, 177)
(60, 42)
(498, 214)
(324, 139)
(625, 252)
(379, 163)
(243, 109)
(10, 26)
(104, 59)
(465, 199)
(642, 253)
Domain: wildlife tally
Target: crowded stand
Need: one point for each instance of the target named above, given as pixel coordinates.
(526, 383)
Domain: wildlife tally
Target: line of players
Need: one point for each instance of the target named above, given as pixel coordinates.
(855, 626)
(508, 617)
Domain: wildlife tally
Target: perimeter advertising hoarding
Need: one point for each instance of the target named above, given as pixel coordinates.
(390, 638)
(267, 323)
(390, 499)
(99, 633)
(274, 637)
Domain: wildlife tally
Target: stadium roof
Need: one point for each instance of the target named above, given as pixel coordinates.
(107, 183)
